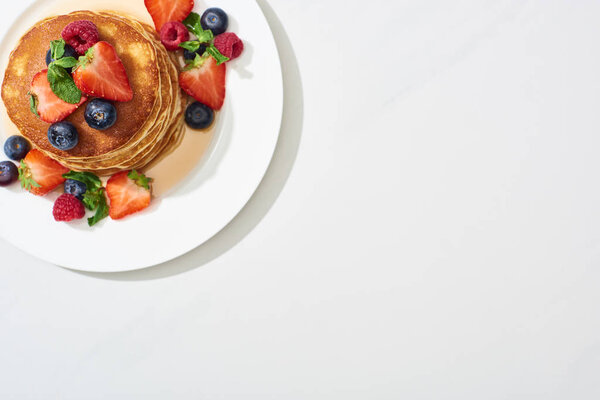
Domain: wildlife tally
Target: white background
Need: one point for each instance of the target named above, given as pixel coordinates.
(428, 229)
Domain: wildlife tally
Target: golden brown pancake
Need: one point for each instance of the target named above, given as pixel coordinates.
(163, 136)
(28, 59)
(147, 128)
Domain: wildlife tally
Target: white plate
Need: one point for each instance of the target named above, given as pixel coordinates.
(198, 208)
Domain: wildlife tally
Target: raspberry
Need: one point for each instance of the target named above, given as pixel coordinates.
(173, 33)
(68, 208)
(81, 35)
(229, 44)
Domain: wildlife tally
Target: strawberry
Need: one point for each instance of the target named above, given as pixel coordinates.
(40, 174)
(102, 74)
(129, 192)
(205, 83)
(46, 104)
(163, 11)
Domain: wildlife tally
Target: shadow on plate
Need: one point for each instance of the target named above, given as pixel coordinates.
(270, 187)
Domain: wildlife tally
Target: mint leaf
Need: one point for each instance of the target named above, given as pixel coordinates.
(91, 181)
(140, 179)
(102, 211)
(27, 181)
(192, 23)
(94, 190)
(90, 200)
(192, 45)
(93, 198)
(216, 54)
(62, 84)
(33, 103)
(57, 48)
(205, 36)
(67, 62)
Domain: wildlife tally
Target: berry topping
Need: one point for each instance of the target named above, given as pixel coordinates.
(163, 11)
(81, 35)
(67, 208)
(229, 44)
(129, 192)
(9, 173)
(88, 188)
(100, 114)
(63, 135)
(40, 174)
(191, 55)
(44, 103)
(16, 147)
(69, 52)
(76, 188)
(205, 83)
(102, 74)
(215, 20)
(199, 116)
(173, 33)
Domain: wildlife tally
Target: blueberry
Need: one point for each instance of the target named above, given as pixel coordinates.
(199, 116)
(100, 114)
(16, 147)
(63, 135)
(9, 173)
(214, 19)
(76, 188)
(69, 52)
(190, 55)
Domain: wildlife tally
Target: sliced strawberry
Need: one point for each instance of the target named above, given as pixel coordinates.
(49, 106)
(40, 174)
(206, 83)
(129, 192)
(102, 74)
(163, 11)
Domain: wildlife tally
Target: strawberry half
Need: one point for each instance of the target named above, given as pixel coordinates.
(163, 11)
(40, 174)
(102, 74)
(46, 104)
(205, 83)
(129, 192)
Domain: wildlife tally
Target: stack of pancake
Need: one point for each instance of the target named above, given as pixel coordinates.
(147, 128)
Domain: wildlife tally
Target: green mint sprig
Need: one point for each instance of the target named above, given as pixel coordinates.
(94, 197)
(57, 49)
(60, 80)
(62, 83)
(192, 23)
(216, 54)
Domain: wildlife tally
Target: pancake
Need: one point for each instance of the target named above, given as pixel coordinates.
(161, 136)
(28, 58)
(148, 128)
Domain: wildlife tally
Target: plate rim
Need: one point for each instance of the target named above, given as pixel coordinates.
(90, 265)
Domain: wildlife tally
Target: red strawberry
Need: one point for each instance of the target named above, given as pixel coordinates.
(40, 174)
(129, 192)
(163, 11)
(102, 74)
(49, 106)
(206, 83)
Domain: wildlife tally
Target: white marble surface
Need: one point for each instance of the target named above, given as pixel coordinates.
(429, 229)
